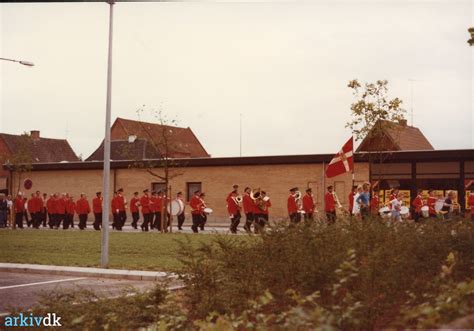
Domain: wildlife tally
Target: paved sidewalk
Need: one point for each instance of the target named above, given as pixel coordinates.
(86, 272)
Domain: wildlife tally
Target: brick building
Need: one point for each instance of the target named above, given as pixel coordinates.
(33, 148)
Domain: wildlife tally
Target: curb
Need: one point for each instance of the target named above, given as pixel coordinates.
(87, 272)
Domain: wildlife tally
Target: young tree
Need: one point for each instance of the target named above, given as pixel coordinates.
(373, 115)
(165, 166)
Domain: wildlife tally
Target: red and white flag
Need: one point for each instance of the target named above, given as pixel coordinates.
(343, 161)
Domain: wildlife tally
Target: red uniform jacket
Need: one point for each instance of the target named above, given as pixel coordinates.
(329, 203)
(292, 207)
(471, 203)
(121, 202)
(417, 203)
(153, 204)
(248, 204)
(374, 204)
(145, 202)
(195, 204)
(19, 205)
(82, 206)
(267, 204)
(232, 206)
(49, 206)
(32, 205)
(97, 205)
(61, 206)
(431, 205)
(308, 203)
(351, 201)
(133, 205)
(70, 207)
(115, 205)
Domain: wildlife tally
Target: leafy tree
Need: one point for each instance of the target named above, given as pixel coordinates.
(373, 115)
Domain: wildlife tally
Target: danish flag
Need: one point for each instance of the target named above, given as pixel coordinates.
(343, 161)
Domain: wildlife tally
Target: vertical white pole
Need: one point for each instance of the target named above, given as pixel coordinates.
(104, 256)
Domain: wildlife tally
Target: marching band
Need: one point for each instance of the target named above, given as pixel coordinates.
(254, 204)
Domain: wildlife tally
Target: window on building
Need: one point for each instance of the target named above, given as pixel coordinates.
(158, 187)
(191, 187)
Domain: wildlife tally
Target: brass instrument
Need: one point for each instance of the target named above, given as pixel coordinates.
(238, 199)
(299, 201)
(337, 200)
(255, 194)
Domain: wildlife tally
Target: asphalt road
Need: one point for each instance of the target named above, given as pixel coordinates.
(22, 290)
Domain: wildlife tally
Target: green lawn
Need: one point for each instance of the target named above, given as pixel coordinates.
(140, 251)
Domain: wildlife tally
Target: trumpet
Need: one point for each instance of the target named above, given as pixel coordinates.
(337, 200)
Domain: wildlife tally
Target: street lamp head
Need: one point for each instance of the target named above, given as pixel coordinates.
(471, 32)
(27, 63)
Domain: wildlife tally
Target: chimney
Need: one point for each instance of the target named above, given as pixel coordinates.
(35, 134)
(403, 122)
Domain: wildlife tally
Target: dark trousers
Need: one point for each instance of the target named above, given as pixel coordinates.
(68, 220)
(181, 218)
(60, 218)
(50, 221)
(249, 218)
(308, 217)
(196, 222)
(260, 221)
(82, 221)
(117, 223)
(295, 217)
(97, 221)
(135, 218)
(44, 216)
(417, 216)
(203, 221)
(157, 222)
(19, 219)
(123, 218)
(331, 216)
(36, 219)
(147, 218)
(364, 212)
(234, 222)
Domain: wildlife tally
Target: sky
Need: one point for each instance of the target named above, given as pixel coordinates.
(282, 66)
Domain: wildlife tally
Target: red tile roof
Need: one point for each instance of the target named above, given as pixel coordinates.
(400, 137)
(140, 149)
(184, 142)
(43, 150)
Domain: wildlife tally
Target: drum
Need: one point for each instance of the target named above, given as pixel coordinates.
(208, 210)
(404, 212)
(175, 207)
(425, 211)
(384, 212)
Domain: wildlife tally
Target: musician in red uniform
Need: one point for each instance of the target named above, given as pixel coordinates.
(393, 196)
(308, 205)
(134, 203)
(196, 211)
(417, 204)
(374, 202)
(61, 209)
(249, 208)
(182, 216)
(146, 212)
(49, 209)
(263, 216)
(351, 199)
(330, 205)
(70, 210)
(31, 208)
(83, 209)
(292, 206)
(233, 209)
(203, 214)
(431, 203)
(471, 203)
(38, 207)
(44, 211)
(115, 212)
(97, 210)
(122, 205)
(19, 210)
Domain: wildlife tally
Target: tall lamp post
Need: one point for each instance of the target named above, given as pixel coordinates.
(471, 43)
(104, 255)
(25, 63)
